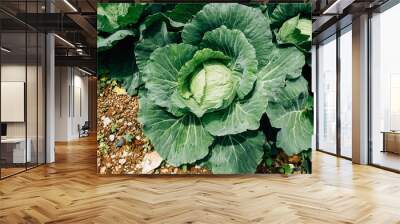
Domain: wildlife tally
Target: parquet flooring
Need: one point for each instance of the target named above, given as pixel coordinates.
(69, 191)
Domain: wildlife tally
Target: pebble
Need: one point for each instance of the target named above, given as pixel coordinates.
(150, 162)
(125, 154)
(103, 170)
(119, 143)
(106, 122)
(122, 161)
(129, 124)
(111, 138)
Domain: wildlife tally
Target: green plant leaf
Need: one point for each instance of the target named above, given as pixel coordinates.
(285, 63)
(122, 66)
(108, 42)
(234, 44)
(240, 153)
(162, 72)
(292, 112)
(285, 11)
(145, 47)
(182, 13)
(240, 116)
(296, 31)
(180, 140)
(250, 21)
(115, 16)
(245, 114)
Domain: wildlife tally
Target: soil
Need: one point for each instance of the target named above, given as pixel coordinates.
(122, 145)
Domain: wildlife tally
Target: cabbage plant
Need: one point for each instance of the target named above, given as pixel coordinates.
(207, 75)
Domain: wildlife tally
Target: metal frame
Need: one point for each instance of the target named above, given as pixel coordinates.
(44, 74)
(380, 9)
(338, 152)
(389, 4)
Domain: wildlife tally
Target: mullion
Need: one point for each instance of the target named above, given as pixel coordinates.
(338, 93)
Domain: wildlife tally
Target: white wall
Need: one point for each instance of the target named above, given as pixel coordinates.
(70, 83)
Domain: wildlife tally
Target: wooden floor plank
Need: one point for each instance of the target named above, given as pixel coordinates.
(70, 191)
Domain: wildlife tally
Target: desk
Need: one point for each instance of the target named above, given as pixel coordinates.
(391, 141)
(15, 148)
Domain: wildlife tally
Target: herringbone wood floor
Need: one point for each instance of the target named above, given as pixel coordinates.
(69, 191)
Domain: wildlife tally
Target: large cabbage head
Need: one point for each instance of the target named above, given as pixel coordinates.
(204, 97)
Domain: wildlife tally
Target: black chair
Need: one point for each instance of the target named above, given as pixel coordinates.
(84, 130)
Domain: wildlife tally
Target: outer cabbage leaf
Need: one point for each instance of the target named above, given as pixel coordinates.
(285, 11)
(122, 67)
(162, 73)
(108, 42)
(174, 17)
(180, 140)
(131, 83)
(234, 44)
(182, 13)
(285, 63)
(245, 114)
(240, 116)
(146, 46)
(240, 153)
(293, 113)
(296, 31)
(250, 21)
(114, 16)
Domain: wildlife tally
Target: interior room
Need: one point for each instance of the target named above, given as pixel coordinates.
(385, 89)
(49, 148)
(22, 99)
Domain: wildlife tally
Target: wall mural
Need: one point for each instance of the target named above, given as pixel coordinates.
(217, 88)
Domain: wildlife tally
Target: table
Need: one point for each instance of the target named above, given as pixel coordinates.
(16, 147)
(391, 141)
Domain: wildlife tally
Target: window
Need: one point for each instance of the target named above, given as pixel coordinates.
(346, 92)
(327, 95)
(385, 89)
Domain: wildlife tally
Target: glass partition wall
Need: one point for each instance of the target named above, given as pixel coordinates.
(22, 77)
(334, 87)
(385, 90)
(326, 102)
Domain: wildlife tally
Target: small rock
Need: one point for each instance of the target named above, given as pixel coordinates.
(120, 143)
(197, 167)
(129, 124)
(103, 170)
(137, 137)
(122, 161)
(125, 154)
(150, 162)
(106, 122)
(111, 138)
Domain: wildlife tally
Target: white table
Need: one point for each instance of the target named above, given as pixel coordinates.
(18, 145)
